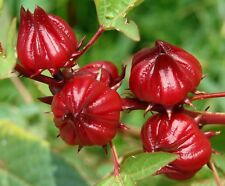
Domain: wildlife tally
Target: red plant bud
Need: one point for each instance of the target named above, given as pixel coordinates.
(164, 74)
(106, 65)
(87, 112)
(108, 71)
(105, 72)
(179, 135)
(45, 42)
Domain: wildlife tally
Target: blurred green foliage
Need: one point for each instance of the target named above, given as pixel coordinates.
(197, 26)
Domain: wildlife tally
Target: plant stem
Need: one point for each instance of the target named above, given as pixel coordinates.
(115, 159)
(133, 104)
(215, 173)
(90, 43)
(59, 76)
(208, 95)
(47, 99)
(22, 90)
(208, 117)
(41, 78)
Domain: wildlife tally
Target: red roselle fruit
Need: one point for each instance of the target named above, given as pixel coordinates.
(179, 135)
(105, 71)
(164, 74)
(108, 71)
(87, 112)
(45, 42)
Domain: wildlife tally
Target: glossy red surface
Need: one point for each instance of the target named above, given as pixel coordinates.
(108, 71)
(45, 42)
(164, 74)
(179, 135)
(87, 112)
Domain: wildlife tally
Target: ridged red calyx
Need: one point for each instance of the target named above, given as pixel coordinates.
(179, 135)
(45, 42)
(108, 71)
(164, 74)
(87, 112)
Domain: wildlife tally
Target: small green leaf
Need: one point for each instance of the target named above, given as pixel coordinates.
(127, 27)
(145, 164)
(8, 56)
(122, 180)
(112, 15)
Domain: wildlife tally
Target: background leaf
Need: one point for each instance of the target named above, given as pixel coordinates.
(24, 156)
(196, 26)
(122, 180)
(65, 174)
(1, 4)
(7, 179)
(145, 164)
(112, 15)
(8, 57)
(27, 161)
(207, 182)
(219, 161)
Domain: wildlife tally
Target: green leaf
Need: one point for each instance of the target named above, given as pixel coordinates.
(145, 164)
(219, 161)
(24, 156)
(1, 4)
(112, 15)
(65, 174)
(122, 180)
(7, 179)
(25, 160)
(8, 56)
(207, 182)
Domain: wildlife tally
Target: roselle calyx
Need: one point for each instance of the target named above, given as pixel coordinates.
(87, 112)
(180, 135)
(105, 71)
(164, 74)
(45, 42)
